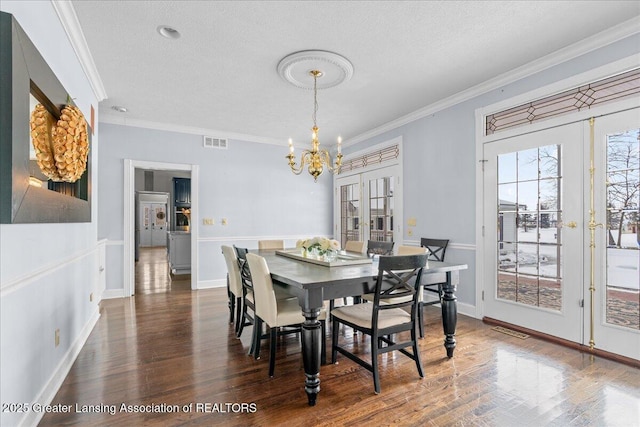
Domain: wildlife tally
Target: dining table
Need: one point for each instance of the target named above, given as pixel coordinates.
(349, 275)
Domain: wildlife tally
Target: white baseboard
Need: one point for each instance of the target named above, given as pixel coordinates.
(113, 293)
(52, 386)
(209, 284)
(465, 309)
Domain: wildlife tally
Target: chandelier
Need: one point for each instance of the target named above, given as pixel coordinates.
(316, 159)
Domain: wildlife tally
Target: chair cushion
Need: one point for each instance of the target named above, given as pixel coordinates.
(360, 314)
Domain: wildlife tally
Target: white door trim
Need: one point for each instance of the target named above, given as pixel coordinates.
(397, 162)
(129, 216)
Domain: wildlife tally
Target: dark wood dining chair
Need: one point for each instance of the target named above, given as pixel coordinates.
(375, 247)
(391, 316)
(248, 298)
(436, 248)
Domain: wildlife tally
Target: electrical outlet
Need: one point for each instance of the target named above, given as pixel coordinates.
(409, 232)
(411, 222)
(57, 337)
(224, 221)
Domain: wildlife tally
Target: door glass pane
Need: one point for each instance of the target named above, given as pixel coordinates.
(529, 244)
(381, 205)
(349, 213)
(623, 234)
(507, 168)
(527, 164)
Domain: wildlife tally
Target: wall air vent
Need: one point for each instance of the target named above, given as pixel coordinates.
(211, 142)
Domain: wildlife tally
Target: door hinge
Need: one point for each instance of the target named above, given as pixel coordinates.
(483, 231)
(483, 162)
(581, 303)
(482, 295)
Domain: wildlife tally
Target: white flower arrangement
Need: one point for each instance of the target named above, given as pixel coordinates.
(320, 244)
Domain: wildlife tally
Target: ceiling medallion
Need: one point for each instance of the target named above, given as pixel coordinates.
(295, 68)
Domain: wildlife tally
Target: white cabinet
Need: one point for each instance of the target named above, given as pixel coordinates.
(179, 252)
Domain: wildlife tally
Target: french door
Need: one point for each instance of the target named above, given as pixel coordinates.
(562, 239)
(616, 315)
(533, 239)
(369, 205)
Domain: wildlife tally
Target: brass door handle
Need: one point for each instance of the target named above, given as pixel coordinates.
(570, 224)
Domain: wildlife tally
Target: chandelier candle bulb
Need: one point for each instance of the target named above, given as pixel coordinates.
(290, 145)
(339, 144)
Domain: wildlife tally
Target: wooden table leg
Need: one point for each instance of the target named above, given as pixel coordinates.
(450, 311)
(311, 353)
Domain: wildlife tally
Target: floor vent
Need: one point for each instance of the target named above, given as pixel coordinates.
(511, 332)
(211, 142)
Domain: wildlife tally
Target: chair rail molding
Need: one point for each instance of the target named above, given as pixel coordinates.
(25, 280)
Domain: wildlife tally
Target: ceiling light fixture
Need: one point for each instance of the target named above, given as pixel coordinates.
(316, 158)
(119, 109)
(168, 32)
(296, 68)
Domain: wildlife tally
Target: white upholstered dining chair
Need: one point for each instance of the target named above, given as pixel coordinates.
(234, 282)
(355, 246)
(275, 313)
(270, 244)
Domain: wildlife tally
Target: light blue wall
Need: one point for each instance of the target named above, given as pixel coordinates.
(47, 271)
(440, 161)
(249, 184)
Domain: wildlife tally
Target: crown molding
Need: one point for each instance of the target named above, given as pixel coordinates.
(604, 38)
(171, 127)
(69, 19)
(71, 25)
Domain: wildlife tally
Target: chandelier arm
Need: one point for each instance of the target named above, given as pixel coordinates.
(333, 167)
(304, 160)
(326, 159)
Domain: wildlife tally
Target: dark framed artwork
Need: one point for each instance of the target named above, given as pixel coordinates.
(29, 193)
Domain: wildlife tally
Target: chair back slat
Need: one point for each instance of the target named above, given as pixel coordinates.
(396, 283)
(375, 247)
(436, 247)
(243, 266)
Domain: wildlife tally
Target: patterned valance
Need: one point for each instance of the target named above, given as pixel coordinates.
(375, 157)
(583, 97)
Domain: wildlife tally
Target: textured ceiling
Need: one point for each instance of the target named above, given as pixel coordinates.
(220, 75)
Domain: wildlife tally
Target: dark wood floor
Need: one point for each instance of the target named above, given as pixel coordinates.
(170, 346)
